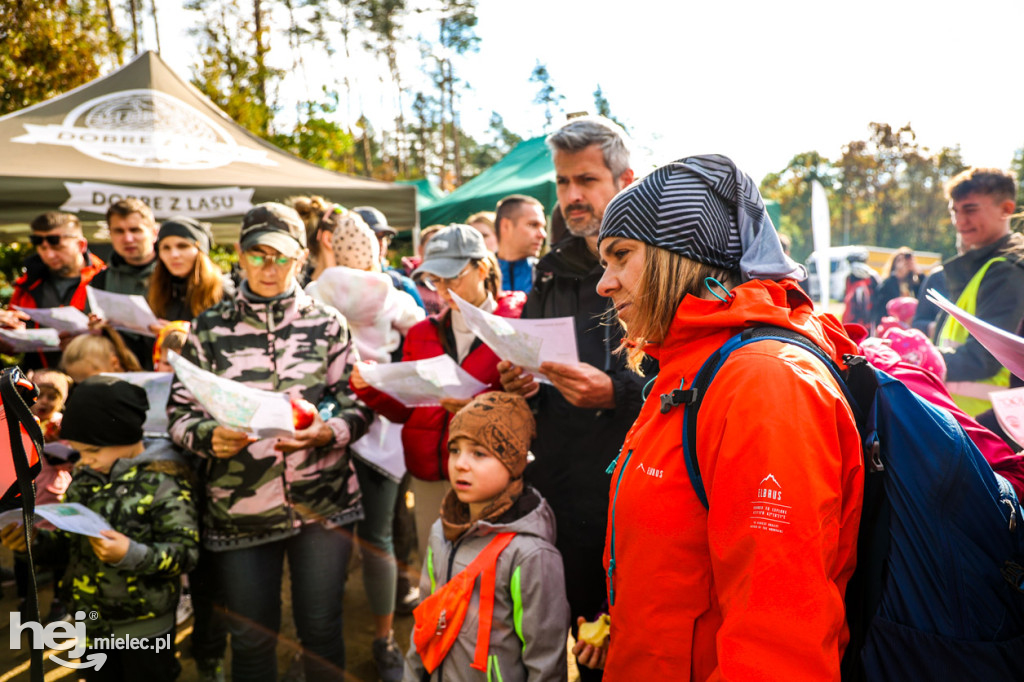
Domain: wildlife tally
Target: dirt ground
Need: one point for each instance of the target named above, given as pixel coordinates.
(358, 634)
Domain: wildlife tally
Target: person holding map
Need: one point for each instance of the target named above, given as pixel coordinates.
(55, 275)
(454, 260)
(128, 576)
(270, 498)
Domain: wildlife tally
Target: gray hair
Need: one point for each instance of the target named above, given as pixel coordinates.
(582, 132)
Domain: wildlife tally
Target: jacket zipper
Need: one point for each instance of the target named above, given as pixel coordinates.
(611, 545)
(284, 469)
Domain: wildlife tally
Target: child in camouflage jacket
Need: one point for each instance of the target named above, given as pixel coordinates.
(126, 583)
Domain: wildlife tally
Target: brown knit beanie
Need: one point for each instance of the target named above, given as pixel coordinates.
(503, 425)
(354, 244)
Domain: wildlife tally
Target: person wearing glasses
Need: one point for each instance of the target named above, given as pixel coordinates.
(455, 260)
(55, 275)
(275, 497)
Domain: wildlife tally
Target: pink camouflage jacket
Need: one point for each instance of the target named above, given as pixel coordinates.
(291, 345)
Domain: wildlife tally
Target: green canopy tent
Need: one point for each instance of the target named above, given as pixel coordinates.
(143, 131)
(527, 169)
(427, 193)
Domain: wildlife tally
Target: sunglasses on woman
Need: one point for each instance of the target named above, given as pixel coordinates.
(259, 260)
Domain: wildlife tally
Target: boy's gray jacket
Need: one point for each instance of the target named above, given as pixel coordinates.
(531, 613)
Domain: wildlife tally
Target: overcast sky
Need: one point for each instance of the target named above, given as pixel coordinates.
(759, 81)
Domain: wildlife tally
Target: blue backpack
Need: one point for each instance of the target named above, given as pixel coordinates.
(938, 592)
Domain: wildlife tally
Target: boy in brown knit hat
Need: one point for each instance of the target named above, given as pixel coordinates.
(491, 524)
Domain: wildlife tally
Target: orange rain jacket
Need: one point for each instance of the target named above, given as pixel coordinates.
(752, 589)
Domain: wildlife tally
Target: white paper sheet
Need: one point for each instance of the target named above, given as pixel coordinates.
(1007, 348)
(29, 340)
(381, 448)
(235, 405)
(128, 312)
(64, 319)
(1009, 408)
(72, 517)
(526, 343)
(158, 390)
(422, 383)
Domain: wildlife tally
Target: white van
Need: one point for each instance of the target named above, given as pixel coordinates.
(839, 257)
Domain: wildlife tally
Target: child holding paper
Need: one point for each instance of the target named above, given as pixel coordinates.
(130, 576)
(490, 521)
(455, 260)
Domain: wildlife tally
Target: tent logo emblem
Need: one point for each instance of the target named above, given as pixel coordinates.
(145, 128)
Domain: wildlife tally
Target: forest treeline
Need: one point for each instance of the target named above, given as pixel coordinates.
(884, 189)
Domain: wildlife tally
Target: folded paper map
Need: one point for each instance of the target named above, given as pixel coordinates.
(29, 340)
(235, 405)
(526, 343)
(129, 312)
(64, 319)
(423, 383)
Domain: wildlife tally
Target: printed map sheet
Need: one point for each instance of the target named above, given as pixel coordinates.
(29, 340)
(422, 383)
(526, 343)
(235, 405)
(128, 312)
(64, 319)
(72, 517)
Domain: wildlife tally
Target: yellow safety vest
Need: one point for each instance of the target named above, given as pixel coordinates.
(971, 396)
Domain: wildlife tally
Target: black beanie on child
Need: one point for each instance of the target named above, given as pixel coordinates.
(104, 410)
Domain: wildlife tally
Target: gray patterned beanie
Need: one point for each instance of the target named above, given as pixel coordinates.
(706, 209)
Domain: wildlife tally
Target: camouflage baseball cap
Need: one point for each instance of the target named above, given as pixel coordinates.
(274, 225)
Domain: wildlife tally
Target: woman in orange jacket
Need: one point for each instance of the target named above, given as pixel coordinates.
(752, 587)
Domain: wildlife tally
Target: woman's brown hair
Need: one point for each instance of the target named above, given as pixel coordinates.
(204, 286)
(492, 280)
(667, 279)
(312, 210)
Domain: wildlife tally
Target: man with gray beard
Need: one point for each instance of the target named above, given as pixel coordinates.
(583, 416)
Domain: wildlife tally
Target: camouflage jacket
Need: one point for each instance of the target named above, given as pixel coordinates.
(292, 345)
(149, 499)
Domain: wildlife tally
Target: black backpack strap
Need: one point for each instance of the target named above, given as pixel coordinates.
(18, 416)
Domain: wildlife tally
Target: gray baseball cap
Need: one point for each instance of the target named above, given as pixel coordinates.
(450, 250)
(274, 225)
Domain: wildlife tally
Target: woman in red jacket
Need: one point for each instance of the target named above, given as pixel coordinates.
(455, 260)
(752, 587)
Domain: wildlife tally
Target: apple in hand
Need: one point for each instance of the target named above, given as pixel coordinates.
(303, 413)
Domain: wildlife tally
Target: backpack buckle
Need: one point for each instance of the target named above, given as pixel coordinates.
(677, 397)
(441, 624)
